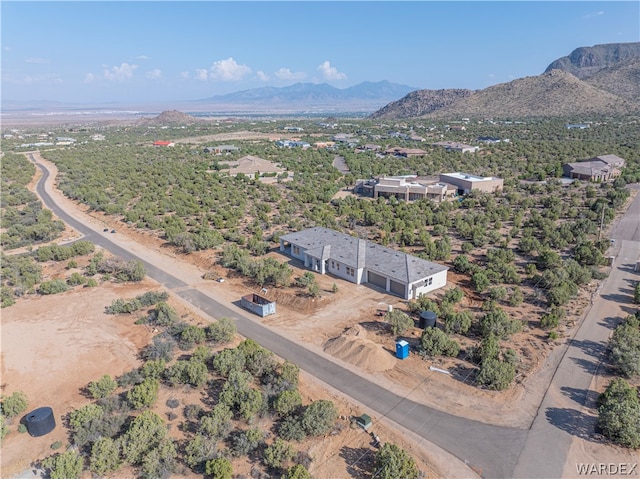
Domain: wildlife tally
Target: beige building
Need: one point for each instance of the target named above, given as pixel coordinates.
(465, 183)
(409, 188)
(600, 168)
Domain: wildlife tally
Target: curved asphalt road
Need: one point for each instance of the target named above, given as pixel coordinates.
(493, 451)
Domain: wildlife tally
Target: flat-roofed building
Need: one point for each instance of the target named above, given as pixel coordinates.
(465, 183)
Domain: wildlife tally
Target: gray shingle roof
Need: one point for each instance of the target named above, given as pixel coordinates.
(358, 253)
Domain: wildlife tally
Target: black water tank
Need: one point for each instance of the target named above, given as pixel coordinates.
(40, 421)
(427, 319)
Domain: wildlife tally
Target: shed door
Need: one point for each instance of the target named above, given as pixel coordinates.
(377, 279)
(397, 288)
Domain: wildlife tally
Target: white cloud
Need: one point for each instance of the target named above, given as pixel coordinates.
(594, 14)
(331, 73)
(49, 78)
(228, 70)
(6, 48)
(185, 75)
(154, 74)
(262, 76)
(202, 74)
(143, 57)
(38, 61)
(286, 74)
(121, 73)
(89, 77)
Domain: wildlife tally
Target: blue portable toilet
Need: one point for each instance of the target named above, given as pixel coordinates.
(402, 349)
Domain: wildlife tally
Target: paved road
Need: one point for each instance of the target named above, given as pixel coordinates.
(493, 451)
(567, 411)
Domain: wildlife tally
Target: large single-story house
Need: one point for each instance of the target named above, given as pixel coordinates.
(466, 183)
(456, 146)
(600, 168)
(407, 188)
(250, 165)
(359, 261)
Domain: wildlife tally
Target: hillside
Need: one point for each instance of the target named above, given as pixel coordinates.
(585, 62)
(622, 79)
(172, 117)
(552, 94)
(421, 102)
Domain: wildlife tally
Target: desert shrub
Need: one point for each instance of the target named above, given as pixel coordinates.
(105, 456)
(551, 319)
(200, 449)
(229, 360)
(400, 322)
(192, 335)
(143, 395)
(319, 417)
(278, 453)
(153, 368)
(435, 342)
(392, 462)
(619, 414)
(287, 402)
(217, 422)
(291, 428)
(497, 322)
(67, 465)
(219, 468)
(221, 331)
(297, 472)
(146, 432)
(163, 315)
(103, 387)
(14, 405)
(496, 374)
(242, 443)
(53, 286)
(162, 347)
(624, 347)
(457, 322)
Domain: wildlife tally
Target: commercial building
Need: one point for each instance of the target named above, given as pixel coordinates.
(465, 183)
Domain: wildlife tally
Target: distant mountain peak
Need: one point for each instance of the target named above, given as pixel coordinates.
(584, 62)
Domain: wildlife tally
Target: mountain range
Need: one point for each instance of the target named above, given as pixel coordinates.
(363, 96)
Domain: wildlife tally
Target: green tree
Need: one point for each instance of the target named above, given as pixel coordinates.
(498, 322)
(200, 449)
(105, 456)
(161, 460)
(53, 286)
(457, 322)
(143, 395)
(221, 331)
(496, 374)
(286, 402)
(216, 424)
(103, 387)
(435, 342)
(392, 462)
(14, 405)
(278, 453)
(67, 465)
(163, 315)
(400, 321)
(297, 472)
(624, 347)
(146, 432)
(319, 417)
(219, 468)
(619, 414)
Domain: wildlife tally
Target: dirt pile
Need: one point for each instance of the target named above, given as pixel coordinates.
(353, 347)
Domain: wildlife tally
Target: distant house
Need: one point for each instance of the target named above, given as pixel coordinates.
(465, 183)
(407, 188)
(220, 149)
(293, 128)
(327, 251)
(404, 152)
(250, 165)
(578, 126)
(492, 140)
(599, 168)
(455, 146)
(292, 144)
(163, 143)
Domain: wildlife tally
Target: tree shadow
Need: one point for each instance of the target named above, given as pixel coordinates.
(463, 373)
(592, 348)
(618, 297)
(359, 461)
(610, 322)
(573, 422)
(584, 397)
(588, 366)
(375, 326)
(212, 396)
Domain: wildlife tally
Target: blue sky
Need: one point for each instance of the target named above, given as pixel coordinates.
(154, 51)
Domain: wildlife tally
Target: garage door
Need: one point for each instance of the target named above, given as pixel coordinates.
(377, 279)
(397, 288)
